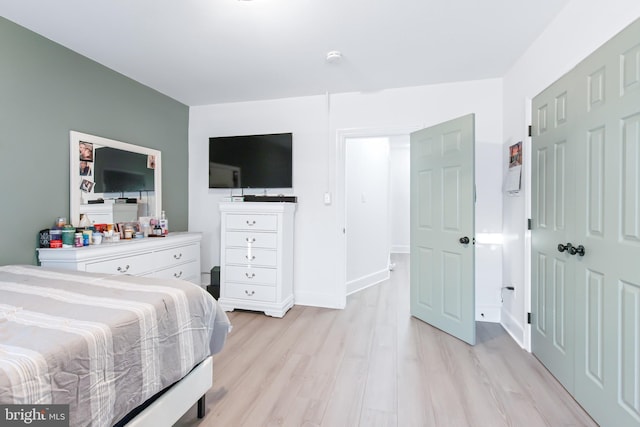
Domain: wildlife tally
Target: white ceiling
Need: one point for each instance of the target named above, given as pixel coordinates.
(211, 51)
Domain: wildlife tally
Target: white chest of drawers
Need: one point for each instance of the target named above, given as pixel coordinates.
(256, 256)
(175, 256)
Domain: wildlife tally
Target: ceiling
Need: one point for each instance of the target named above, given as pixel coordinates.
(213, 51)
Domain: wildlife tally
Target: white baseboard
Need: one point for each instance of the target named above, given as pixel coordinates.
(400, 249)
(367, 281)
(314, 299)
(513, 327)
(488, 313)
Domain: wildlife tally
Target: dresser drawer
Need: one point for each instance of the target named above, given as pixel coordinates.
(250, 292)
(133, 265)
(246, 256)
(253, 239)
(179, 255)
(189, 271)
(250, 275)
(252, 222)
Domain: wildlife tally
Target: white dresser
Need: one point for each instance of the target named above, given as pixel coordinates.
(175, 256)
(256, 256)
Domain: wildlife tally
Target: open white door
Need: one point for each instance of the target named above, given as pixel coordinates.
(443, 227)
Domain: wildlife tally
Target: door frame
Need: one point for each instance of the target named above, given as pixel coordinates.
(526, 178)
(342, 135)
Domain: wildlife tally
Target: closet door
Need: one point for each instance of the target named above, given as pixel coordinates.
(553, 204)
(590, 163)
(607, 150)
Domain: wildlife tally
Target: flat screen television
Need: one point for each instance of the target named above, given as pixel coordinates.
(251, 161)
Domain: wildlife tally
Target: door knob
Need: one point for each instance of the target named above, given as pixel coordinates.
(567, 247)
(577, 250)
(464, 240)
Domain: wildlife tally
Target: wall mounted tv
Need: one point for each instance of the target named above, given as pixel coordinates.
(251, 161)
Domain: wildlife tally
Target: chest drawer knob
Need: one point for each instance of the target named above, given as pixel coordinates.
(123, 269)
(250, 258)
(249, 293)
(177, 275)
(251, 239)
(177, 256)
(250, 276)
(251, 223)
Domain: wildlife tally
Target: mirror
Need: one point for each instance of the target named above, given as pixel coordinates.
(113, 172)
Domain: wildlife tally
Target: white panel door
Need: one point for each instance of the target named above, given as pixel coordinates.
(442, 227)
(596, 196)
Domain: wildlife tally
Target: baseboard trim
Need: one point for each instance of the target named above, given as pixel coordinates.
(400, 249)
(513, 327)
(491, 313)
(367, 281)
(313, 299)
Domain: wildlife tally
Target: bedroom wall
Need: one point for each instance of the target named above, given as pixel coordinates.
(367, 211)
(399, 193)
(581, 27)
(318, 226)
(46, 91)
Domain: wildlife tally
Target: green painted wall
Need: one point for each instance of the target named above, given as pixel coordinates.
(47, 90)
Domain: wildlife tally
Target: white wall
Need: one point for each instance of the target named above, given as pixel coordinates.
(318, 277)
(399, 194)
(582, 27)
(367, 203)
(488, 231)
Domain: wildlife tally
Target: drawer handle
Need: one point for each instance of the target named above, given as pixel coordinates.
(123, 270)
(251, 239)
(177, 256)
(251, 223)
(249, 294)
(250, 276)
(177, 275)
(250, 258)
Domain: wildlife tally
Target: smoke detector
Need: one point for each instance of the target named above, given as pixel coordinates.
(334, 56)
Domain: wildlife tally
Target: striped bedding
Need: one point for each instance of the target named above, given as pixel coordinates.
(102, 344)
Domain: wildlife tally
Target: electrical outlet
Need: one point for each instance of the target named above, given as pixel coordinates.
(327, 198)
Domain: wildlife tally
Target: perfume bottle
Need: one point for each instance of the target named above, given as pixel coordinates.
(164, 223)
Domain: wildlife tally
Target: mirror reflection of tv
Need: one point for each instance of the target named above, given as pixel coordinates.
(119, 171)
(251, 161)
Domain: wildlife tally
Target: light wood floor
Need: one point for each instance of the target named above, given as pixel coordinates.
(372, 364)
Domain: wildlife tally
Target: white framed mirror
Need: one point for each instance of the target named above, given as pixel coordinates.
(105, 172)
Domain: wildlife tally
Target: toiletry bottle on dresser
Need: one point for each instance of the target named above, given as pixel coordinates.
(164, 223)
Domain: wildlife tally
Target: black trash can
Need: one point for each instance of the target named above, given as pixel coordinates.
(214, 287)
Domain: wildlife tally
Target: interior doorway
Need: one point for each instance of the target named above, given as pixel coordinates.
(374, 210)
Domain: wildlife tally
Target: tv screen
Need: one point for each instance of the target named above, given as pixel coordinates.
(251, 161)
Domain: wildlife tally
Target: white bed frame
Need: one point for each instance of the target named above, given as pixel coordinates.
(172, 405)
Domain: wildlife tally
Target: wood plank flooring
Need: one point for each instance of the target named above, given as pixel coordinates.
(372, 364)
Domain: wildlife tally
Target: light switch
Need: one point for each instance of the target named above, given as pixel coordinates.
(327, 198)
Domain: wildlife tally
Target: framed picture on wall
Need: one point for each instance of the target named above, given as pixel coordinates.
(515, 155)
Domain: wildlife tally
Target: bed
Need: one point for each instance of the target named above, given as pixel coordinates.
(105, 345)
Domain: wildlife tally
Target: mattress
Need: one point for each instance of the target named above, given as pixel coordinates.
(101, 344)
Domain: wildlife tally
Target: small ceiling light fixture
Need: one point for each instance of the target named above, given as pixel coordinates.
(334, 56)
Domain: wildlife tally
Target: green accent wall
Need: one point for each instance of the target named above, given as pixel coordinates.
(46, 90)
